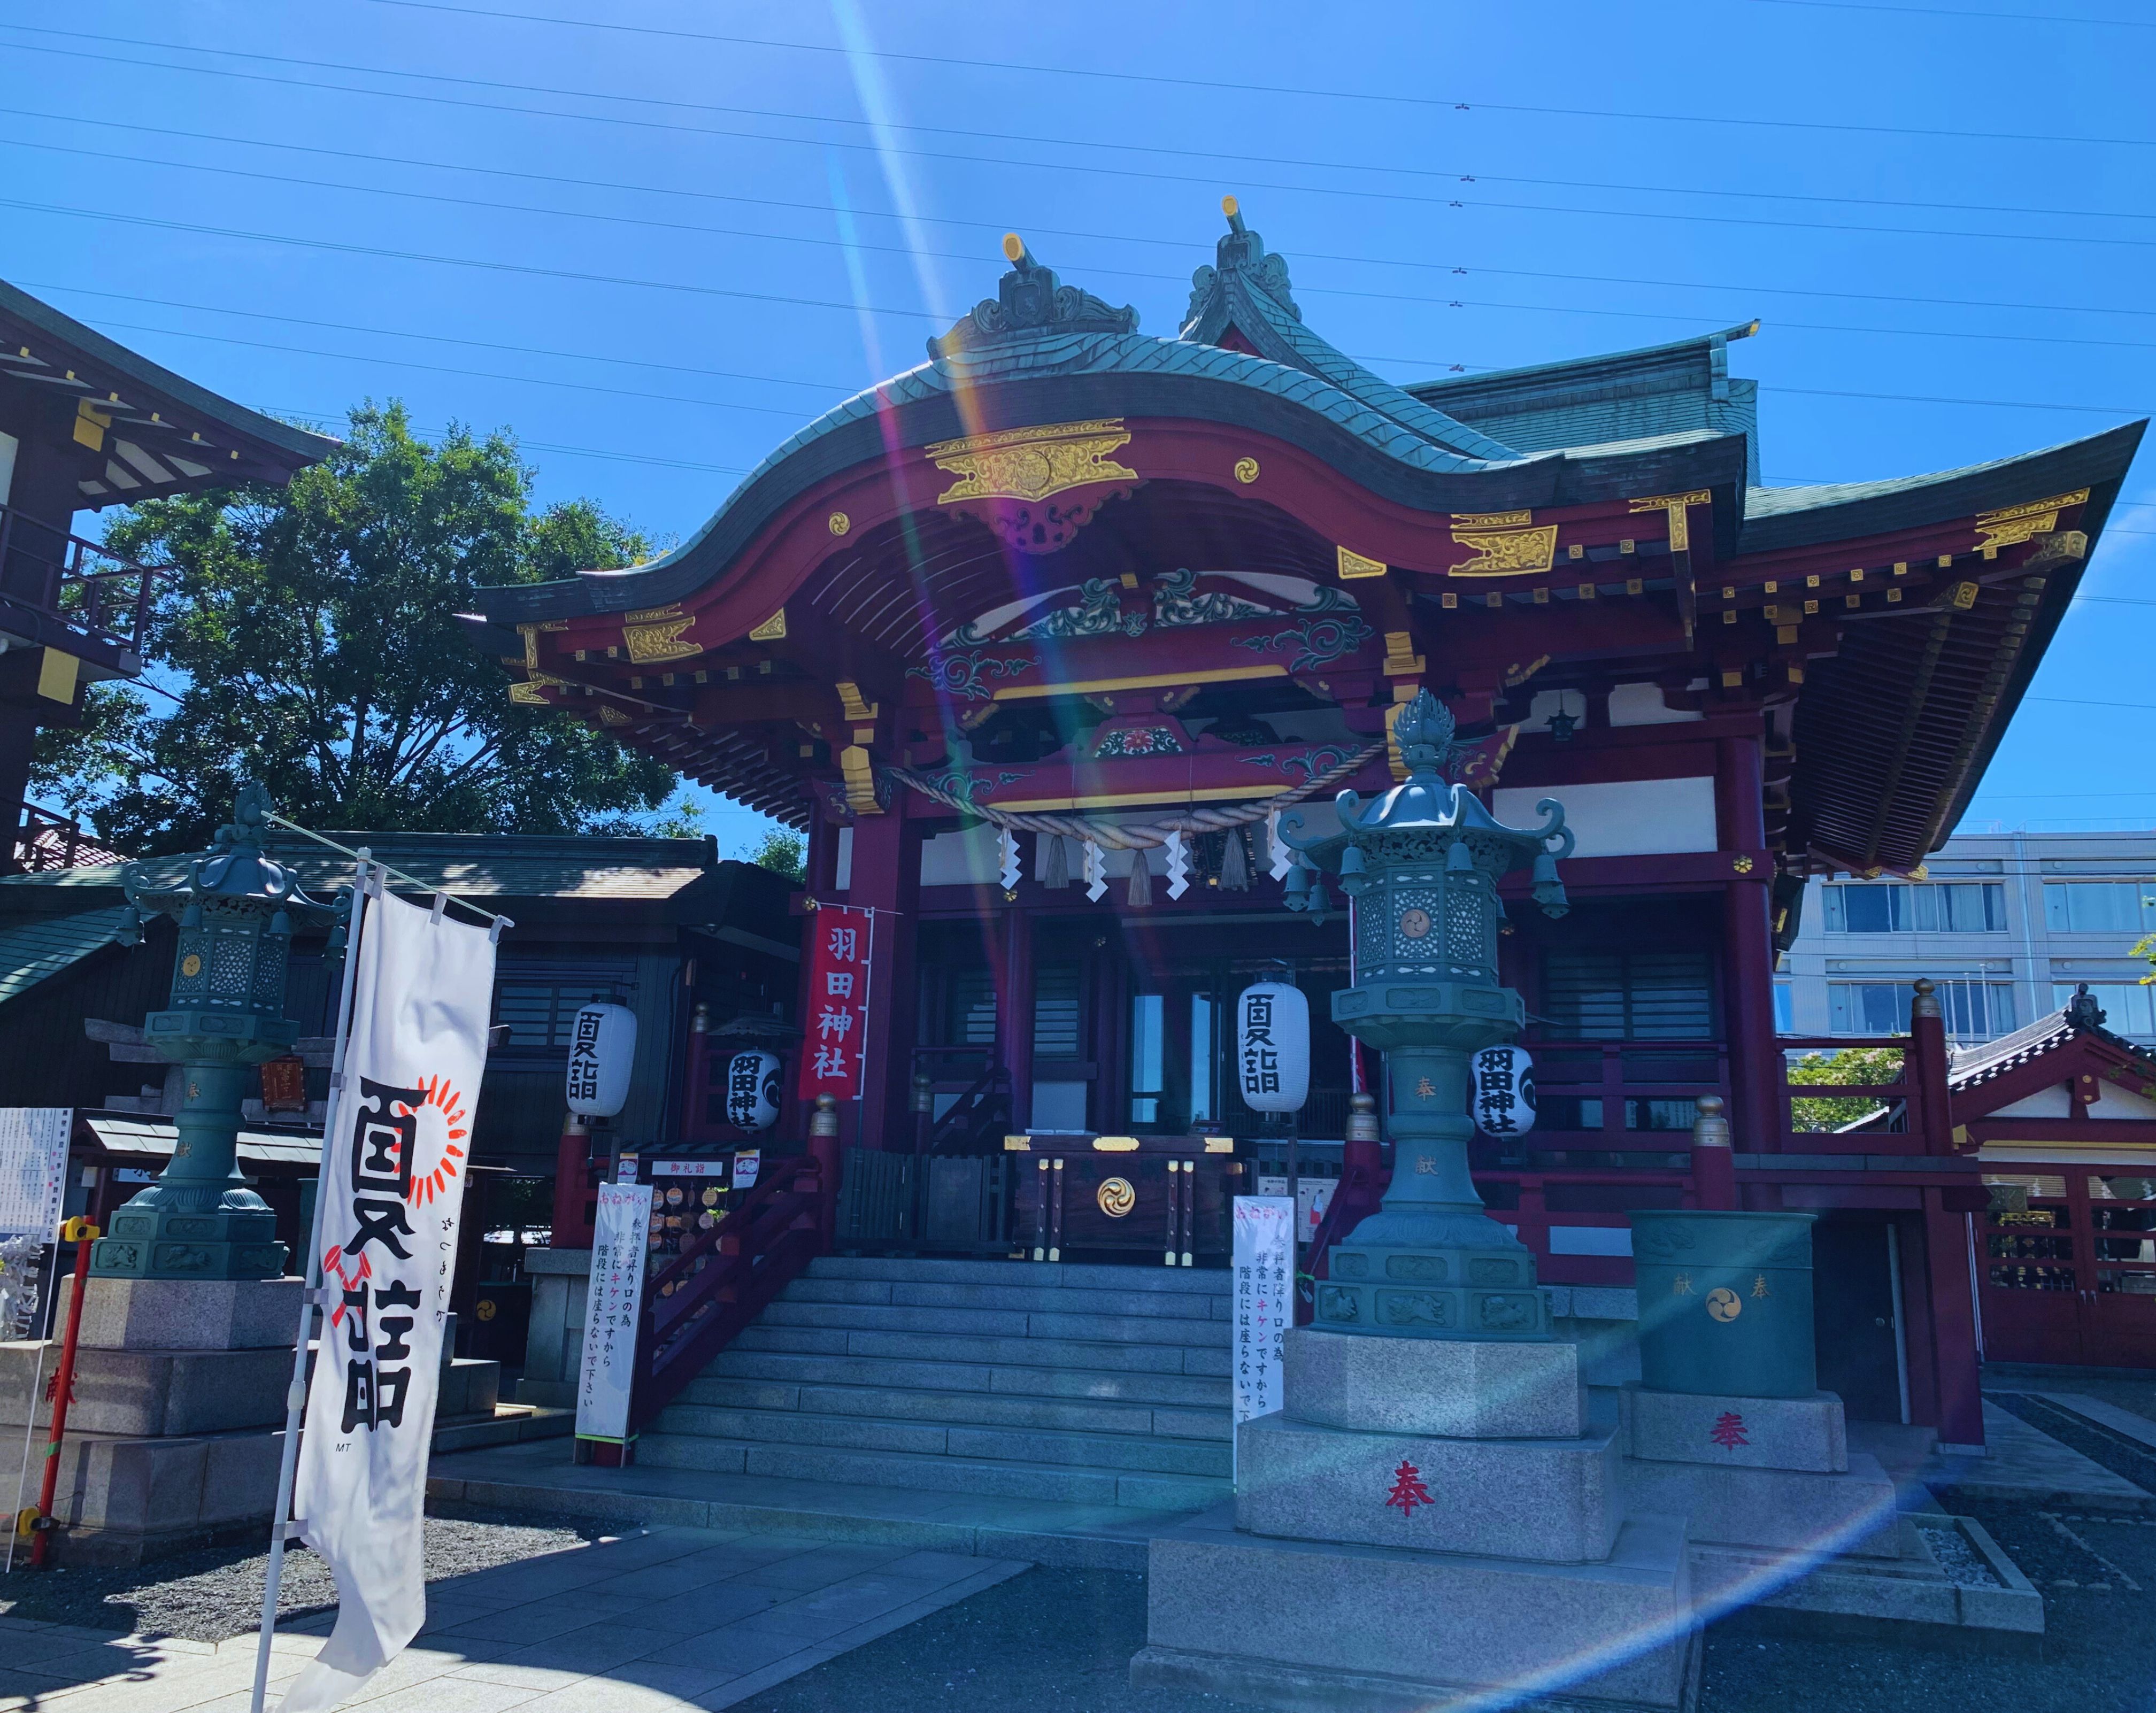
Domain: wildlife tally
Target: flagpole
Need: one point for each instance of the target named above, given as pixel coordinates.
(295, 1394)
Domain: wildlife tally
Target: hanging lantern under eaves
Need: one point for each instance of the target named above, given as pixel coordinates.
(752, 1090)
(602, 1052)
(1272, 1047)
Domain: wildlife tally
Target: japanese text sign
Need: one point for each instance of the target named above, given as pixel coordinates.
(1503, 1091)
(836, 1017)
(1263, 1305)
(614, 1300)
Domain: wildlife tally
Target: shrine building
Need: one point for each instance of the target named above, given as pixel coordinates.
(1043, 642)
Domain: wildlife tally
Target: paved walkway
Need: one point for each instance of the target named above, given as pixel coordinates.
(666, 1620)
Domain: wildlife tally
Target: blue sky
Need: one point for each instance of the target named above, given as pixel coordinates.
(654, 249)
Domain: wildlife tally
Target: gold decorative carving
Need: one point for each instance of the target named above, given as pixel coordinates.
(611, 716)
(1032, 463)
(2065, 544)
(649, 644)
(1018, 1145)
(1741, 865)
(1115, 1145)
(849, 700)
(1115, 1197)
(530, 632)
(2012, 525)
(1401, 660)
(1246, 471)
(1675, 505)
(1493, 520)
(772, 630)
(528, 693)
(1354, 565)
(1505, 551)
(859, 775)
(653, 615)
(838, 523)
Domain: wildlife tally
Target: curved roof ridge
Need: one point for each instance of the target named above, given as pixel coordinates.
(1246, 276)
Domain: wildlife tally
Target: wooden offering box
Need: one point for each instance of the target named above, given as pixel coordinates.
(1115, 1196)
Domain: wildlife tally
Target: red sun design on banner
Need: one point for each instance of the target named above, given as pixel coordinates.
(441, 1126)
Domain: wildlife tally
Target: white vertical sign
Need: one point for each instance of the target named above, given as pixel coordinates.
(612, 1299)
(393, 1160)
(33, 1146)
(1264, 1301)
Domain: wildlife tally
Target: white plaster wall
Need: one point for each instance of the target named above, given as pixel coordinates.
(2044, 1103)
(1641, 704)
(1624, 817)
(970, 858)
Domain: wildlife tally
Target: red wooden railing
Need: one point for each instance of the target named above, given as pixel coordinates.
(747, 1260)
(81, 583)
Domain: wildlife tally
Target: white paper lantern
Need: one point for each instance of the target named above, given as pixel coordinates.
(1272, 1047)
(1502, 1093)
(752, 1090)
(601, 1050)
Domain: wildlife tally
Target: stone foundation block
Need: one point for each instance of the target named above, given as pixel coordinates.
(1346, 1629)
(1745, 1433)
(121, 1501)
(1807, 1513)
(1556, 1500)
(144, 1394)
(1466, 1389)
(185, 1314)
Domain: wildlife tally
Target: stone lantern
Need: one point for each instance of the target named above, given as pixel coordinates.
(1422, 864)
(236, 912)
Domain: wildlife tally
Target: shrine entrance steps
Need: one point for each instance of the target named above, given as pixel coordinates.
(1044, 1411)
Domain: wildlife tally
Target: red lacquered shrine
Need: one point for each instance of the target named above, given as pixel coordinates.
(1036, 641)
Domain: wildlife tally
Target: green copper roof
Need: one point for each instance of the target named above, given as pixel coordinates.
(34, 951)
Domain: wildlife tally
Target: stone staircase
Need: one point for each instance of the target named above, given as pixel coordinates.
(1092, 1386)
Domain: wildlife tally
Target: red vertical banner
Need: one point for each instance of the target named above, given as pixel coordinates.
(836, 1028)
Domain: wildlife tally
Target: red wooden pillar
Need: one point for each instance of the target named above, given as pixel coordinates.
(1957, 1406)
(1924, 1069)
(1747, 959)
(886, 878)
(1014, 1011)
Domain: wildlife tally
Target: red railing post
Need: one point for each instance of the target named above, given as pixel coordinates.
(1713, 1161)
(83, 1234)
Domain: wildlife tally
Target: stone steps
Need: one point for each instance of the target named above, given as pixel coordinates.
(1100, 1386)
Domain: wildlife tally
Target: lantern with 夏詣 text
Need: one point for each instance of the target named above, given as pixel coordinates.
(602, 1052)
(1422, 864)
(1272, 1047)
(753, 1090)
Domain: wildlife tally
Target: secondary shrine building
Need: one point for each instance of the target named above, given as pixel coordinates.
(1039, 641)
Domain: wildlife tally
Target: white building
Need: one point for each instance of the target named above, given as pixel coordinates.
(2006, 924)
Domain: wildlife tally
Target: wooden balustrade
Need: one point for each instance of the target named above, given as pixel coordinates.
(747, 1259)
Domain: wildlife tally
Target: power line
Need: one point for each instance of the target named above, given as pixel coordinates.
(946, 255)
(880, 149)
(1160, 78)
(1177, 243)
(850, 308)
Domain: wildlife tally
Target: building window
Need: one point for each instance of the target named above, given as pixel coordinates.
(969, 1014)
(1629, 996)
(1058, 989)
(1973, 1011)
(1937, 907)
(539, 1003)
(2100, 906)
(2129, 1008)
(1785, 1009)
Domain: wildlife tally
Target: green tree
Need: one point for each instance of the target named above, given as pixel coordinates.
(1853, 1066)
(310, 639)
(782, 853)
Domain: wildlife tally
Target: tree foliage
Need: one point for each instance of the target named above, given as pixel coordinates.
(1852, 1066)
(311, 638)
(782, 853)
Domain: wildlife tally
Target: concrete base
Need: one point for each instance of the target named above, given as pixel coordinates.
(1308, 1618)
(185, 1314)
(1767, 1432)
(1457, 1387)
(1793, 1510)
(1554, 1500)
(148, 1394)
(123, 1500)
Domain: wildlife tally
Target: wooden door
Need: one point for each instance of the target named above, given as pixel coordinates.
(2119, 1329)
(2032, 1260)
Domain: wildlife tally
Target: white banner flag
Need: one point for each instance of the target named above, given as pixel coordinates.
(392, 1186)
(613, 1298)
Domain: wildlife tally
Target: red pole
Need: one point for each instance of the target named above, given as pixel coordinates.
(1713, 1162)
(81, 1233)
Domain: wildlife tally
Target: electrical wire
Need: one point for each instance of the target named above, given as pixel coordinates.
(1179, 245)
(884, 148)
(1452, 104)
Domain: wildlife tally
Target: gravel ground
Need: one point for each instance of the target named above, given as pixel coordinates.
(1960, 1561)
(216, 1593)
